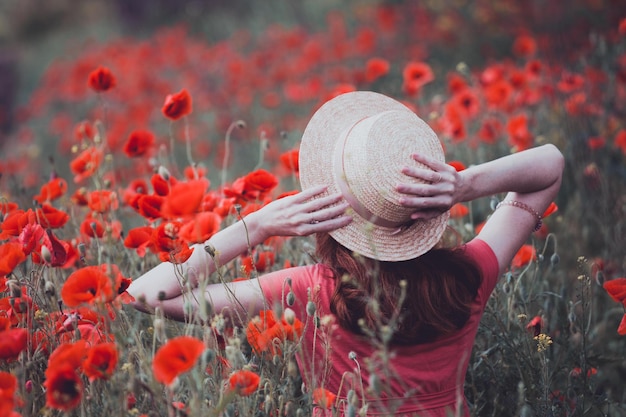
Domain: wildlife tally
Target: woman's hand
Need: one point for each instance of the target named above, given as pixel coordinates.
(302, 214)
(439, 192)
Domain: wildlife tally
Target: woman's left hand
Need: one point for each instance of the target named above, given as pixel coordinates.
(437, 191)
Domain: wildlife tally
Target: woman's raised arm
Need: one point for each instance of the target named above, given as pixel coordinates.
(531, 178)
(297, 215)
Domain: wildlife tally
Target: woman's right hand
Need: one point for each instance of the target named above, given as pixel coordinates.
(439, 191)
(301, 214)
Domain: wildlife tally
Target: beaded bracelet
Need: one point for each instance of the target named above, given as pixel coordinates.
(522, 206)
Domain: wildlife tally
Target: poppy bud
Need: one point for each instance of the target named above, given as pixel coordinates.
(554, 259)
(49, 289)
(291, 298)
(45, 254)
(290, 316)
(164, 173)
(310, 308)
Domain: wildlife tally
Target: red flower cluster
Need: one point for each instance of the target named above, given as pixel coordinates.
(267, 335)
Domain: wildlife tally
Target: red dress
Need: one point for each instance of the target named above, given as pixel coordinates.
(423, 380)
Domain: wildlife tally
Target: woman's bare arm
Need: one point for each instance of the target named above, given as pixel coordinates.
(296, 215)
(532, 177)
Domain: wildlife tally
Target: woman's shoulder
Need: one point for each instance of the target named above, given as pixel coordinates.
(485, 258)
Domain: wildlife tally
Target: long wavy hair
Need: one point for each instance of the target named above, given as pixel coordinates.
(439, 289)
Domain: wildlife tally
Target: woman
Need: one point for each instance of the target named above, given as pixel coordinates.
(403, 312)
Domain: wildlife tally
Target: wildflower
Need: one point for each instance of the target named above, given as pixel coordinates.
(524, 256)
(616, 288)
(101, 79)
(92, 284)
(184, 198)
(8, 385)
(466, 103)
(552, 208)
(149, 206)
(262, 261)
(85, 164)
(64, 388)
(201, 227)
(264, 333)
(11, 255)
(519, 135)
(459, 210)
(102, 201)
(12, 342)
(175, 357)
(415, 75)
(244, 382)
(535, 325)
(289, 160)
(101, 361)
(51, 217)
(543, 342)
(323, 398)
(166, 242)
(376, 68)
(524, 46)
(621, 329)
(139, 142)
(458, 165)
(620, 141)
(177, 105)
(260, 181)
(51, 190)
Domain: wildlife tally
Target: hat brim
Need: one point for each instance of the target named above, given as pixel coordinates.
(316, 168)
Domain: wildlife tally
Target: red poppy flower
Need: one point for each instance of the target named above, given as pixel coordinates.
(524, 256)
(8, 385)
(244, 382)
(67, 354)
(92, 227)
(261, 181)
(149, 206)
(139, 238)
(11, 255)
(201, 227)
(52, 190)
(490, 130)
(620, 141)
(12, 343)
(263, 260)
(459, 210)
(519, 135)
(184, 198)
(616, 288)
(161, 185)
(289, 161)
(498, 94)
(621, 329)
(15, 221)
(101, 361)
(266, 335)
(415, 75)
(87, 285)
(552, 208)
(64, 388)
(376, 68)
(51, 217)
(175, 357)
(169, 246)
(524, 46)
(535, 325)
(177, 105)
(324, 398)
(101, 79)
(138, 143)
(102, 201)
(466, 102)
(86, 163)
(458, 165)
(570, 82)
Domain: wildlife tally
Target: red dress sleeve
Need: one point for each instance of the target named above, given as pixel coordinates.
(487, 263)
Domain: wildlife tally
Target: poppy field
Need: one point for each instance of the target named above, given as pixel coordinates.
(133, 149)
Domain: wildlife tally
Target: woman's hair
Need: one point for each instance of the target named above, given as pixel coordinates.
(440, 286)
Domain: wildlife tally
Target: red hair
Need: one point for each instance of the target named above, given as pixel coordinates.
(441, 286)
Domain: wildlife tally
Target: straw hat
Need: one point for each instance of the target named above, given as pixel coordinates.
(357, 144)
